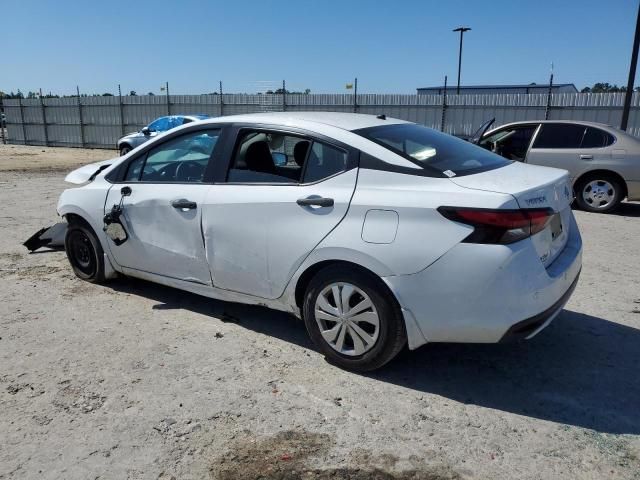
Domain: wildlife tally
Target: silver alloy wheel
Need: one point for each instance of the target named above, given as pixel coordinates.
(598, 194)
(347, 319)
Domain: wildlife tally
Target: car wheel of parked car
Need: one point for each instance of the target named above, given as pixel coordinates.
(84, 252)
(353, 319)
(124, 150)
(598, 193)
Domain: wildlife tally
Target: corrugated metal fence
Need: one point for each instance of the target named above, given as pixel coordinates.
(98, 122)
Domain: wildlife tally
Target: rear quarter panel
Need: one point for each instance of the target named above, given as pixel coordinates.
(421, 235)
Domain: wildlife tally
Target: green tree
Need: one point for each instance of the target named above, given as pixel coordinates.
(603, 87)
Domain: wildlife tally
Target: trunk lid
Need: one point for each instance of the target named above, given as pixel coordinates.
(532, 187)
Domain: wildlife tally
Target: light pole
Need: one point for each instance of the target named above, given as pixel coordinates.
(632, 75)
(461, 30)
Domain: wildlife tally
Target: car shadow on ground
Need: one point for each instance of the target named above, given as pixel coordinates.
(582, 370)
(627, 209)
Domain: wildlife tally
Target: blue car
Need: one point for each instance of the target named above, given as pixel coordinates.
(159, 125)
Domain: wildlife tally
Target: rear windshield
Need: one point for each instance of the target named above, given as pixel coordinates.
(443, 154)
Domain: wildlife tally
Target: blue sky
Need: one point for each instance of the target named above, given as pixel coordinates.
(391, 46)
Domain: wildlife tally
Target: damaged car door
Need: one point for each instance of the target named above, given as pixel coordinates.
(162, 209)
(284, 192)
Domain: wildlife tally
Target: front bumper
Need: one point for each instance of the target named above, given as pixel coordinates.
(477, 293)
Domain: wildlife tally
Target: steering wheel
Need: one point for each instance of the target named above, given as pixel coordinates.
(188, 169)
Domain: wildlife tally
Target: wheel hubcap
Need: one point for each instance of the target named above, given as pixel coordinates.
(347, 319)
(598, 194)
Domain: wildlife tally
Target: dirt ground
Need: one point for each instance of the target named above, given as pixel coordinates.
(137, 381)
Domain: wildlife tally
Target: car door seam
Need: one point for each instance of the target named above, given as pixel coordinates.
(355, 186)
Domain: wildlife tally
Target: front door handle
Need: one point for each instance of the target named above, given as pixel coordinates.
(315, 202)
(184, 204)
(586, 157)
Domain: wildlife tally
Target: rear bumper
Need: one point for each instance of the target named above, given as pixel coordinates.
(529, 327)
(478, 293)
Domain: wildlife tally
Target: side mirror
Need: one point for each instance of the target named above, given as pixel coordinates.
(145, 131)
(279, 159)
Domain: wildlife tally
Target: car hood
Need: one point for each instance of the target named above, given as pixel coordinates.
(130, 135)
(88, 172)
(532, 186)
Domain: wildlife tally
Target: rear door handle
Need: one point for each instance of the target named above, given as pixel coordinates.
(184, 204)
(586, 157)
(315, 202)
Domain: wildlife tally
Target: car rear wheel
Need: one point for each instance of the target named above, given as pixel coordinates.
(598, 193)
(84, 252)
(353, 319)
(124, 150)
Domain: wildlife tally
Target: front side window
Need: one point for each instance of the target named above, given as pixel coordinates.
(439, 153)
(512, 142)
(175, 121)
(560, 135)
(159, 125)
(181, 159)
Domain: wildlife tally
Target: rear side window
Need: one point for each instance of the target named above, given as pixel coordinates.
(596, 138)
(324, 161)
(438, 153)
(279, 158)
(559, 136)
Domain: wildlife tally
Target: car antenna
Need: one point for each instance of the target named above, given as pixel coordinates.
(382, 116)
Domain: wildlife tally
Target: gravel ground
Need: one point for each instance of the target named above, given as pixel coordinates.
(133, 380)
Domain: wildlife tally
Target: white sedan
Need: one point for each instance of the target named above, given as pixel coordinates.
(375, 231)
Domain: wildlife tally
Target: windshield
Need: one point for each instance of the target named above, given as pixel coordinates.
(447, 155)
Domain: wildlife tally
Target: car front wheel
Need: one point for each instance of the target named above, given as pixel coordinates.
(353, 319)
(84, 252)
(124, 150)
(598, 193)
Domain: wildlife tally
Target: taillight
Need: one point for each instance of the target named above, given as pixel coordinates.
(499, 226)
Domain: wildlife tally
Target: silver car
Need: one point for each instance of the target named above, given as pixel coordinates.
(603, 161)
(159, 125)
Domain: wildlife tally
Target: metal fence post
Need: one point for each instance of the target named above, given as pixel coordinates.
(121, 112)
(24, 129)
(2, 123)
(546, 110)
(355, 96)
(444, 105)
(284, 96)
(82, 142)
(221, 100)
(44, 120)
(168, 101)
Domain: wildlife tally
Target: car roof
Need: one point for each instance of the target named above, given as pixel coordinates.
(572, 122)
(344, 121)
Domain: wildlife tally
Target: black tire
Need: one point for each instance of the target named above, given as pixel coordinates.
(124, 150)
(611, 189)
(391, 336)
(84, 252)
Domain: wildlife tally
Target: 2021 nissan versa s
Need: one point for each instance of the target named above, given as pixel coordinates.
(377, 232)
